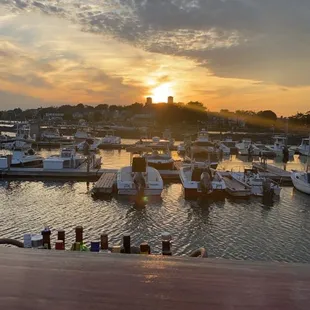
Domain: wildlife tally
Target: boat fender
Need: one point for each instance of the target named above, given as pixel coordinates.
(201, 252)
(11, 242)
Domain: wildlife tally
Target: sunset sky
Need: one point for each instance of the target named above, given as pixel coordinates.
(228, 54)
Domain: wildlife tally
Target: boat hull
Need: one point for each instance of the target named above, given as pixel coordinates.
(193, 193)
(29, 164)
(300, 185)
(134, 192)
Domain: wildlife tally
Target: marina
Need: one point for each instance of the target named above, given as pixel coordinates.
(107, 189)
(227, 228)
(154, 155)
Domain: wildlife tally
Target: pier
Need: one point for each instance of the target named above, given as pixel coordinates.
(35, 279)
(106, 183)
(275, 173)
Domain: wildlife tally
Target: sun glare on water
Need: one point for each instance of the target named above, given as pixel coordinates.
(162, 92)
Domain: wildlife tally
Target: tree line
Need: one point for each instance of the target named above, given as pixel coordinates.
(164, 114)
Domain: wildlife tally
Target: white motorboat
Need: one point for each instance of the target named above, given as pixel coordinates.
(21, 158)
(257, 183)
(93, 145)
(156, 143)
(51, 134)
(22, 140)
(184, 146)
(279, 143)
(243, 148)
(202, 156)
(81, 135)
(304, 147)
(203, 151)
(159, 159)
(109, 140)
(301, 181)
(139, 179)
(69, 159)
(228, 147)
(200, 181)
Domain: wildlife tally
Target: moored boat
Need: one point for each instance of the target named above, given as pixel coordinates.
(244, 145)
(69, 159)
(51, 134)
(303, 148)
(257, 183)
(159, 159)
(139, 179)
(228, 147)
(22, 158)
(301, 181)
(200, 181)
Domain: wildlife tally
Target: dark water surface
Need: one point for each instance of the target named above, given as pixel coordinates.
(244, 229)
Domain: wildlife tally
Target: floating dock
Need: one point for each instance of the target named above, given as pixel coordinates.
(94, 175)
(123, 146)
(274, 173)
(235, 188)
(106, 184)
(35, 279)
(63, 174)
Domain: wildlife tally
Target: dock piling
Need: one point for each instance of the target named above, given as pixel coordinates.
(126, 244)
(46, 235)
(61, 235)
(79, 234)
(104, 241)
(145, 248)
(166, 244)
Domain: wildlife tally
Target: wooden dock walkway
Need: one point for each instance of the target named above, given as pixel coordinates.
(105, 185)
(81, 174)
(236, 188)
(276, 173)
(43, 279)
(63, 174)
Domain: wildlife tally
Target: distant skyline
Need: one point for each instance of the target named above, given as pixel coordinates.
(228, 54)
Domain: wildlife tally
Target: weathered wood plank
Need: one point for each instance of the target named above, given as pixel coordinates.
(34, 279)
(105, 184)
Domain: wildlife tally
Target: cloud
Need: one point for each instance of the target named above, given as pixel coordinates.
(65, 79)
(264, 40)
(9, 100)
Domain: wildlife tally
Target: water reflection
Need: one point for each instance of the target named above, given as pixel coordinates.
(229, 228)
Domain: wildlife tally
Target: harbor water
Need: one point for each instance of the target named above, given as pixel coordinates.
(232, 229)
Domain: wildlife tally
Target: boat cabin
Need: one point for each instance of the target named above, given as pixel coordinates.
(66, 159)
(279, 140)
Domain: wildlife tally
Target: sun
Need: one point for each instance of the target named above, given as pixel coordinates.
(162, 92)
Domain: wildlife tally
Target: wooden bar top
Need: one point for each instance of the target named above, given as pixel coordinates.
(58, 280)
